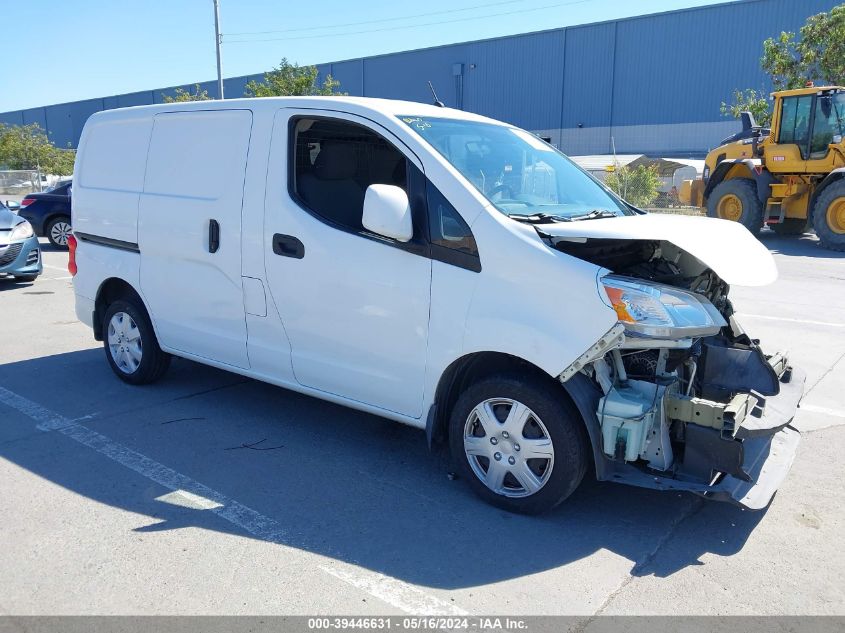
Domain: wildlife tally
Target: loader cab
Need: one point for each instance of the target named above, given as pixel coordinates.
(807, 122)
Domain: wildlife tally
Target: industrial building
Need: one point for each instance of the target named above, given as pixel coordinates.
(651, 84)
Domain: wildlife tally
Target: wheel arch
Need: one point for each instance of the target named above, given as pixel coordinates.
(741, 168)
(834, 176)
(52, 214)
(111, 290)
(581, 392)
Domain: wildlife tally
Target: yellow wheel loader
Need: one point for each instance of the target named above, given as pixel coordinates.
(790, 177)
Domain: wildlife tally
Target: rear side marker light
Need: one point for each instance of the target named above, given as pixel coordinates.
(26, 202)
(71, 254)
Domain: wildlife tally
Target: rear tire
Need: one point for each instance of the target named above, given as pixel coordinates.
(737, 200)
(522, 416)
(57, 231)
(130, 343)
(829, 217)
(791, 226)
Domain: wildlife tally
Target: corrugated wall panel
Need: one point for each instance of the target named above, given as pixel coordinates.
(350, 74)
(678, 67)
(406, 75)
(516, 79)
(652, 83)
(587, 90)
(60, 125)
(12, 118)
(35, 115)
(233, 87)
(135, 99)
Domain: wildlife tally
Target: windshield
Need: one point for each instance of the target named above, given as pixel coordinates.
(517, 172)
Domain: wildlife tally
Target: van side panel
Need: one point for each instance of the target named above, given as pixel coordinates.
(194, 181)
(110, 175)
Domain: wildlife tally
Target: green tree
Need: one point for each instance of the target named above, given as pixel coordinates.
(28, 147)
(817, 54)
(638, 185)
(749, 100)
(180, 95)
(289, 80)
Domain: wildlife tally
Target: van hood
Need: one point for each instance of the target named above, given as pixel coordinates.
(727, 247)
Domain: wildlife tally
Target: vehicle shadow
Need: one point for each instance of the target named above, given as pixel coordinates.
(347, 485)
(806, 245)
(7, 282)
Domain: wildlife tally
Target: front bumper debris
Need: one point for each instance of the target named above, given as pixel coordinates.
(744, 449)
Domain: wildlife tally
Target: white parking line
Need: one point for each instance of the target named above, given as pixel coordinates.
(831, 412)
(401, 595)
(396, 593)
(768, 317)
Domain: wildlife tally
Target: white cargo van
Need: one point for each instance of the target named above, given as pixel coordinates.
(441, 269)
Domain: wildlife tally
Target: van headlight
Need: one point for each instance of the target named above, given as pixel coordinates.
(658, 311)
(21, 231)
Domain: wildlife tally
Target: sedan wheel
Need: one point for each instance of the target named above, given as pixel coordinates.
(508, 447)
(59, 232)
(125, 344)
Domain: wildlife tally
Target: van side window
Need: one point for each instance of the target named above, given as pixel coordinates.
(448, 229)
(334, 162)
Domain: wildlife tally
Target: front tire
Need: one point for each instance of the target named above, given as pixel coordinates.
(519, 442)
(130, 343)
(737, 200)
(829, 217)
(58, 230)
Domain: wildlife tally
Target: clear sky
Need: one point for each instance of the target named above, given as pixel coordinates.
(56, 50)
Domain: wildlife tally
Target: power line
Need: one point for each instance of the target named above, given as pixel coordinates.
(407, 17)
(409, 26)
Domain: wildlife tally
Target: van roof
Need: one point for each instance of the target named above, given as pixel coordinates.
(358, 105)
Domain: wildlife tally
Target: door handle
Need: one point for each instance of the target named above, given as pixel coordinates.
(213, 236)
(288, 246)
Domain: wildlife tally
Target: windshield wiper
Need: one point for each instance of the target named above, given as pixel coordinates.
(595, 214)
(538, 218)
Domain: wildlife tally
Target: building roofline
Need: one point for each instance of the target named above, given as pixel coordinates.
(644, 16)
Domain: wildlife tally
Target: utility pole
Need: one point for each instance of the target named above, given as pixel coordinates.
(218, 41)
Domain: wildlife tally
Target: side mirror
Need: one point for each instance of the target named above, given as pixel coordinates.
(388, 212)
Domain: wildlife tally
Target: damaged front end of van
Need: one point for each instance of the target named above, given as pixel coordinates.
(676, 395)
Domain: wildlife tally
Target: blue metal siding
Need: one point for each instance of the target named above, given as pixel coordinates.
(406, 75)
(678, 67)
(582, 84)
(516, 79)
(350, 74)
(11, 118)
(60, 125)
(35, 115)
(588, 76)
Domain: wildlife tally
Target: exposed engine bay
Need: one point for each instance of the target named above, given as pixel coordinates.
(686, 399)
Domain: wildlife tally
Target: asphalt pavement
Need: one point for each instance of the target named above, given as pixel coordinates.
(208, 493)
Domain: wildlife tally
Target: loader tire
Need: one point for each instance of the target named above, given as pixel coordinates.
(737, 200)
(829, 217)
(791, 226)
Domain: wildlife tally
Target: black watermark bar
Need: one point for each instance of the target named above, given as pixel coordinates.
(458, 624)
